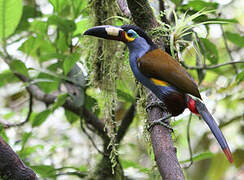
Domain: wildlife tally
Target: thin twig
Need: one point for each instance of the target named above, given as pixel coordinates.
(90, 138)
(228, 49)
(211, 67)
(189, 141)
(76, 173)
(7, 125)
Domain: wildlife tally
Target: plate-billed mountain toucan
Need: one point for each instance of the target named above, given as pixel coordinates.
(163, 75)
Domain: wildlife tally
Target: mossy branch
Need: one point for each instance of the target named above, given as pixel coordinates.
(164, 150)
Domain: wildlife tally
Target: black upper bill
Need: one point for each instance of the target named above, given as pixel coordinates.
(106, 32)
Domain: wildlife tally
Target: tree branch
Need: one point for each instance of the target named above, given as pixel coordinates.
(89, 117)
(11, 166)
(164, 150)
(8, 125)
(124, 8)
(211, 67)
(127, 120)
(142, 14)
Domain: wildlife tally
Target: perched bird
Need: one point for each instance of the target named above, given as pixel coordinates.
(163, 75)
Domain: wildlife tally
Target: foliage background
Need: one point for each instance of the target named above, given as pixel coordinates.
(44, 40)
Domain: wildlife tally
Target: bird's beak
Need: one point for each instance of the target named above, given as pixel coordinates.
(107, 32)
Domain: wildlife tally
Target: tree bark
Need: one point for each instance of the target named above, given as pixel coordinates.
(11, 166)
(164, 150)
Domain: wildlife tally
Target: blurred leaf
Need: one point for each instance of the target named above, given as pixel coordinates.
(28, 12)
(18, 66)
(11, 11)
(235, 38)
(91, 104)
(62, 40)
(7, 77)
(40, 118)
(3, 133)
(81, 26)
(199, 157)
(218, 167)
(70, 61)
(199, 5)
(70, 116)
(46, 86)
(27, 151)
(127, 164)
(78, 6)
(58, 5)
(39, 27)
(60, 100)
(125, 96)
(210, 50)
(64, 25)
(238, 157)
(25, 138)
(44, 170)
(221, 20)
(240, 77)
(31, 45)
(177, 2)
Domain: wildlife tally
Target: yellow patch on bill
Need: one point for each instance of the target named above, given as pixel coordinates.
(159, 82)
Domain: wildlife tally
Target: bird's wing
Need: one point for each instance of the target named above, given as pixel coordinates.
(160, 65)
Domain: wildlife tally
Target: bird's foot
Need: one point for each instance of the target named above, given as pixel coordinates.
(161, 122)
(155, 104)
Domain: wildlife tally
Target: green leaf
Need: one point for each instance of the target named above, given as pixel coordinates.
(90, 103)
(125, 96)
(60, 100)
(238, 156)
(27, 151)
(199, 157)
(44, 170)
(3, 133)
(7, 77)
(218, 167)
(210, 50)
(64, 25)
(221, 20)
(51, 86)
(58, 5)
(10, 14)
(28, 12)
(39, 27)
(25, 138)
(31, 45)
(199, 5)
(70, 116)
(240, 77)
(127, 164)
(235, 38)
(40, 118)
(177, 2)
(70, 61)
(18, 66)
(81, 26)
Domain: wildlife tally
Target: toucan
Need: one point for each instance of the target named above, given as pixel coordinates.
(162, 74)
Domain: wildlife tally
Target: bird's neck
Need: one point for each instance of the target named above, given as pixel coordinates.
(137, 49)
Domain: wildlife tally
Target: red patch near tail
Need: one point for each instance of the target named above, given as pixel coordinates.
(228, 154)
(192, 106)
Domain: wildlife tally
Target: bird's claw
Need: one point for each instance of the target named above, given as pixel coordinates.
(161, 122)
(155, 104)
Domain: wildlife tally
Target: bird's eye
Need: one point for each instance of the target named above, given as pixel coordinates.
(130, 34)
